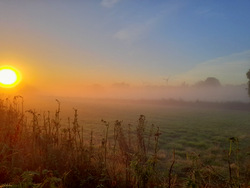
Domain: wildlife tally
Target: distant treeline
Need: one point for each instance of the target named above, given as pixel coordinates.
(230, 105)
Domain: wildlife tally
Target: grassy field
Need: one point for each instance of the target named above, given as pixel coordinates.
(114, 143)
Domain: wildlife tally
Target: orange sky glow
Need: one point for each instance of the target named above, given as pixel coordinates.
(149, 50)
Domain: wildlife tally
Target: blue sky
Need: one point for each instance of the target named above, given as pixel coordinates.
(126, 41)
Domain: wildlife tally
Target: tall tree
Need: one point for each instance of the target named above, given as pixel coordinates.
(248, 76)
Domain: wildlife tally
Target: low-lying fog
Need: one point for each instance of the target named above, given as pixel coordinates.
(220, 93)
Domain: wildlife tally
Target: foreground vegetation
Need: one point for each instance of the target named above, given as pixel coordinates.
(38, 150)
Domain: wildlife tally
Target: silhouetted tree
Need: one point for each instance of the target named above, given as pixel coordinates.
(209, 82)
(248, 76)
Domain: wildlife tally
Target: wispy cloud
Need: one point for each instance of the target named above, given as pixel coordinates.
(138, 30)
(209, 13)
(203, 11)
(109, 3)
(132, 33)
(228, 69)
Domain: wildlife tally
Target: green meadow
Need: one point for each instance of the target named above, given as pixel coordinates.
(124, 143)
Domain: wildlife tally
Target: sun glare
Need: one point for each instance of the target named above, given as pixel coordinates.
(9, 77)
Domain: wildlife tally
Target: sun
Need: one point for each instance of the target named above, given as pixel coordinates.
(9, 77)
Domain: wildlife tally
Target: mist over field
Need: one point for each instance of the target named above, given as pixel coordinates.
(187, 93)
(222, 93)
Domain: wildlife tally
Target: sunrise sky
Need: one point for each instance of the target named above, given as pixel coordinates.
(72, 46)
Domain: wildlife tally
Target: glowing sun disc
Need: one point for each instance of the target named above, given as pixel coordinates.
(9, 77)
